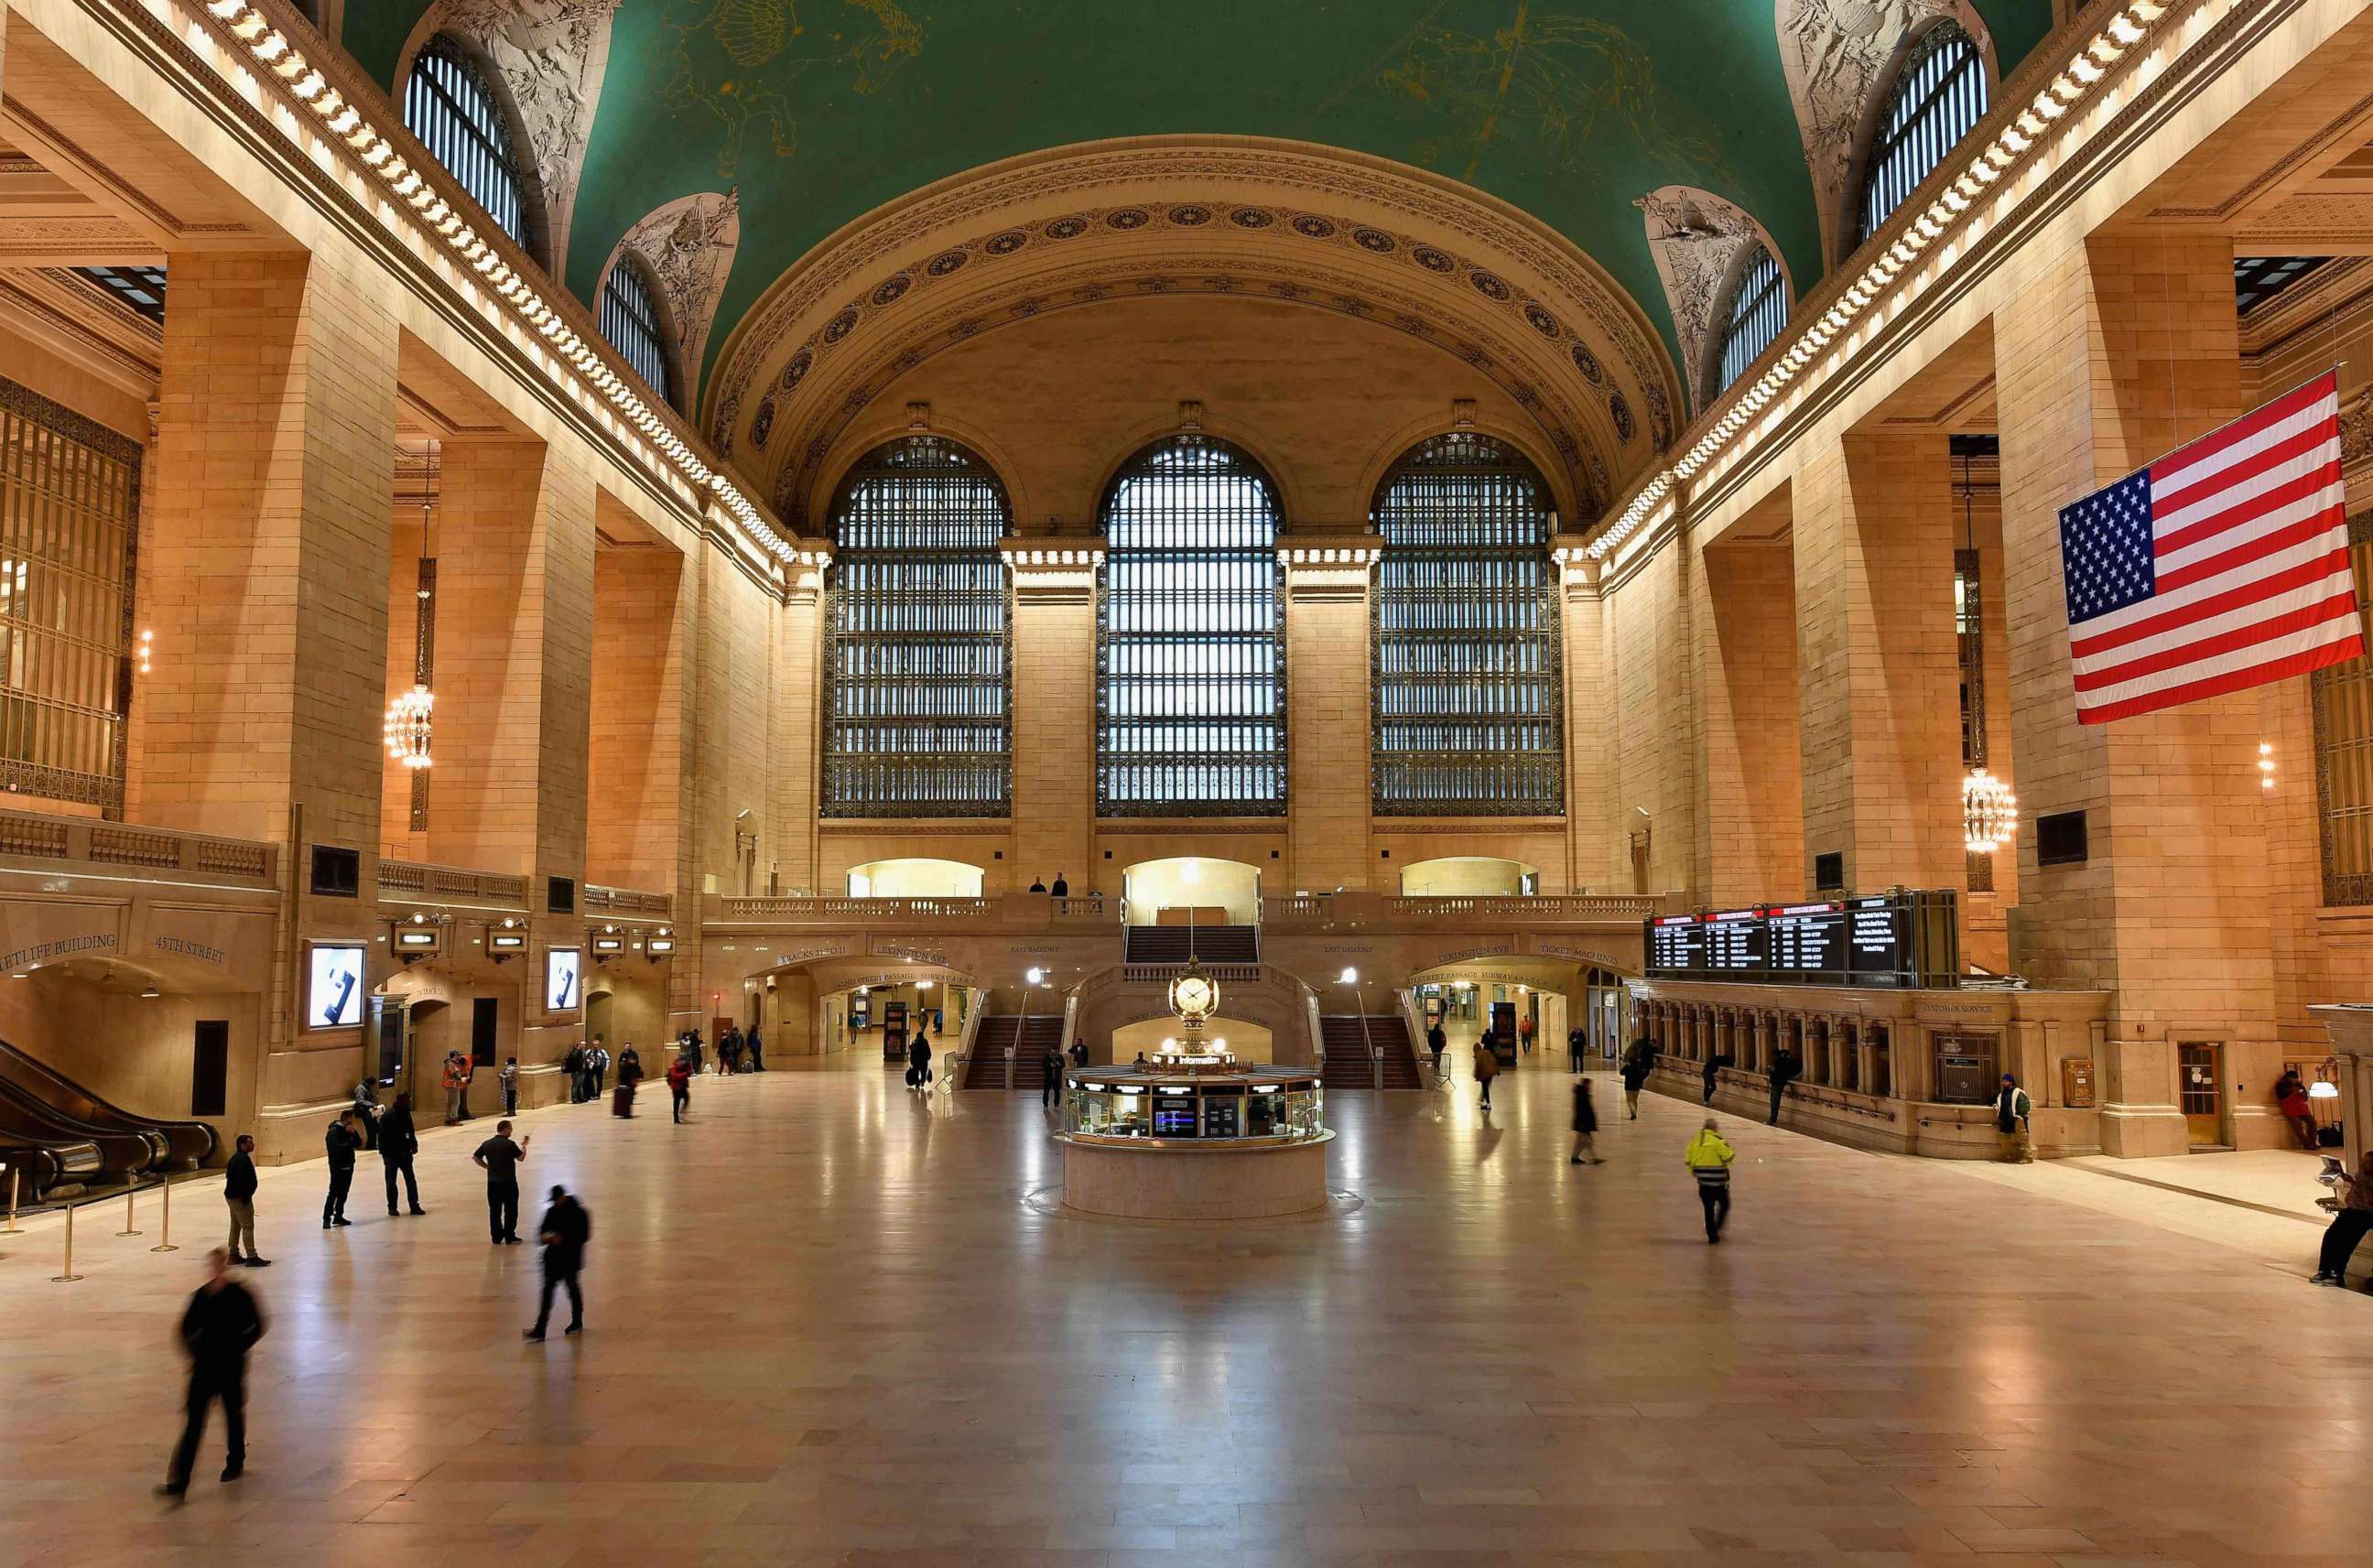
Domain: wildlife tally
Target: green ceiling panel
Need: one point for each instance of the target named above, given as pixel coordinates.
(819, 111)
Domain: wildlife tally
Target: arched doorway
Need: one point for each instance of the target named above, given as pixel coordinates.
(1469, 876)
(914, 877)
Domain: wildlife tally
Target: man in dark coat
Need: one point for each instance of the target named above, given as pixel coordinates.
(564, 1230)
(1786, 1066)
(1637, 1063)
(573, 1064)
(398, 1142)
(757, 1052)
(221, 1323)
(1715, 1064)
(340, 1142)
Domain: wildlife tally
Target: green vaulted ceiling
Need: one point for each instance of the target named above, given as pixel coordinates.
(819, 111)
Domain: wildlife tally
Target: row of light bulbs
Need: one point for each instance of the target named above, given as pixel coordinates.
(304, 81)
(2128, 28)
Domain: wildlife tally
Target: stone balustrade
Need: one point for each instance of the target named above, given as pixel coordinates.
(595, 898)
(439, 885)
(1392, 912)
(1027, 911)
(81, 840)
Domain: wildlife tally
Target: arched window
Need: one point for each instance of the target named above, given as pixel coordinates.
(1191, 695)
(630, 320)
(1939, 95)
(1758, 309)
(451, 108)
(918, 639)
(1466, 678)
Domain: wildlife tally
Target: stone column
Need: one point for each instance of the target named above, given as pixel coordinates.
(636, 758)
(790, 776)
(2114, 352)
(265, 579)
(1055, 710)
(1754, 838)
(1595, 859)
(1329, 735)
(1877, 669)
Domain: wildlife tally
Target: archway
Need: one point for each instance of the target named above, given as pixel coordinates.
(1248, 1040)
(914, 877)
(1469, 876)
(1191, 889)
(1513, 991)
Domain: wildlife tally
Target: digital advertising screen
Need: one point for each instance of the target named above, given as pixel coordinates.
(334, 986)
(561, 966)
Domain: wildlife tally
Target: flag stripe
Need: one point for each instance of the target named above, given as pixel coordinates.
(2349, 644)
(2205, 453)
(2293, 569)
(2253, 629)
(2256, 547)
(2278, 479)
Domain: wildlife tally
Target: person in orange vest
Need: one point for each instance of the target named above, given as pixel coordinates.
(457, 1088)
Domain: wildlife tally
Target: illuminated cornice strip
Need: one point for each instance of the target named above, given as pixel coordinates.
(277, 61)
(2071, 86)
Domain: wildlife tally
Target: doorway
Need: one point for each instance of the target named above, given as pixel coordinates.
(482, 1013)
(2200, 1091)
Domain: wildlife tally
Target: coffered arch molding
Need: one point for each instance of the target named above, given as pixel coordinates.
(1528, 443)
(1292, 506)
(1282, 220)
(889, 422)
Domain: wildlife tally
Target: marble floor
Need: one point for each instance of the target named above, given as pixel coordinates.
(834, 1323)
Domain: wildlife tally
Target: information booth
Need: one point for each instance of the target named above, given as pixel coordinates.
(1193, 1135)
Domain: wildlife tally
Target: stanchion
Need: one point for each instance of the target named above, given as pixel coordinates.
(10, 1228)
(69, 1277)
(165, 1225)
(130, 1192)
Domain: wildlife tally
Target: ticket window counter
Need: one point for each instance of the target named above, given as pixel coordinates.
(1966, 1070)
(1252, 1108)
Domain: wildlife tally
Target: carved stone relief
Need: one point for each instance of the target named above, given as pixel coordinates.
(689, 245)
(1697, 240)
(552, 54)
(1836, 55)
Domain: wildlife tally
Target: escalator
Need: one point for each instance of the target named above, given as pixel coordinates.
(60, 1134)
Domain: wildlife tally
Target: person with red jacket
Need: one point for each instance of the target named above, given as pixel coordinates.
(679, 1082)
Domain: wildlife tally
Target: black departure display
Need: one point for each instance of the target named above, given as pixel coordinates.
(1876, 942)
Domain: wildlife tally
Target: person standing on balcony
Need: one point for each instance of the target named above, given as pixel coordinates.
(1061, 889)
(398, 1142)
(1036, 886)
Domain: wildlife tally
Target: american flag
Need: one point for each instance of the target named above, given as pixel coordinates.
(2223, 565)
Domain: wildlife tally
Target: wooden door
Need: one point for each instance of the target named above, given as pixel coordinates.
(2199, 1085)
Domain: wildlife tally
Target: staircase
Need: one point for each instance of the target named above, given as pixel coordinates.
(1347, 1051)
(1175, 945)
(1031, 1039)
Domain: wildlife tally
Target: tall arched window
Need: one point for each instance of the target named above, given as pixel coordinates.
(1758, 309)
(1191, 695)
(918, 639)
(449, 105)
(630, 320)
(1467, 680)
(1938, 96)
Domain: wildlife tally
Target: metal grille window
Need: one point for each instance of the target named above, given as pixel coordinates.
(69, 493)
(2344, 749)
(451, 107)
(630, 320)
(1758, 309)
(1466, 647)
(1939, 95)
(918, 642)
(1191, 695)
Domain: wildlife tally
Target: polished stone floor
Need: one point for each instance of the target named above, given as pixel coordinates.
(834, 1323)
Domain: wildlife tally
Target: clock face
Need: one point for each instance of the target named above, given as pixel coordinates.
(1192, 995)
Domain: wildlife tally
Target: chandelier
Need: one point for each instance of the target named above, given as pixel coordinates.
(407, 729)
(1989, 811)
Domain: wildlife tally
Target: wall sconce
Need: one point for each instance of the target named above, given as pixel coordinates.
(147, 651)
(2265, 765)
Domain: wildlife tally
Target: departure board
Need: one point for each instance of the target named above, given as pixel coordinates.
(1898, 940)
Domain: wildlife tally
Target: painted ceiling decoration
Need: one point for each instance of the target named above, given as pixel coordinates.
(1840, 58)
(551, 55)
(824, 115)
(1700, 242)
(688, 245)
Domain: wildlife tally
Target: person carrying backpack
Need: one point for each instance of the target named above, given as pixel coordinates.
(1709, 1159)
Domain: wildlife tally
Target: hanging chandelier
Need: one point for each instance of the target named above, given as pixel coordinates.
(1989, 811)
(407, 729)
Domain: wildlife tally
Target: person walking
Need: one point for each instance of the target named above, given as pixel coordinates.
(679, 1083)
(564, 1230)
(2349, 1223)
(1786, 1066)
(573, 1067)
(1052, 1093)
(1709, 1159)
(630, 1072)
(757, 1057)
(499, 1158)
(1436, 1042)
(1487, 1068)
(239, 1196)
(507, 1080)
(1637, 1063)
(2014, 1128)
(398, 1142)
(221, 1323)
(340, 1142)
(1524, 1028)
(1585, 1127)
(919, 1060)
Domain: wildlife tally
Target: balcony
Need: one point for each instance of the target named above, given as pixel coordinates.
(416, 882)
(596, 899)
(1390, 913)
(82, 842)
(1086, 915)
